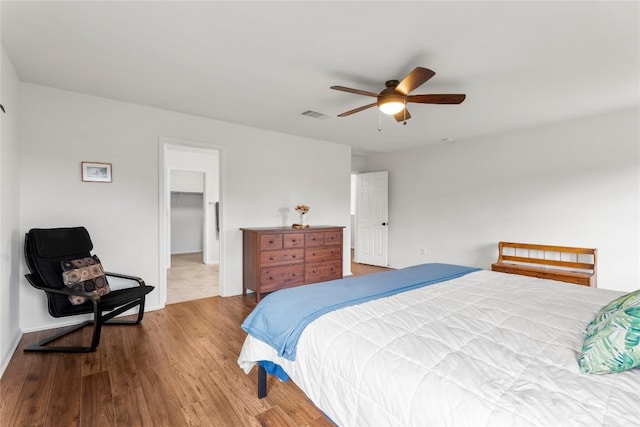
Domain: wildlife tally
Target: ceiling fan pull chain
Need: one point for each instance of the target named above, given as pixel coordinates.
(380, 121)
(405, 111)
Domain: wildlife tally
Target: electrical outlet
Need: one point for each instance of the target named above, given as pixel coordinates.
(423, 251)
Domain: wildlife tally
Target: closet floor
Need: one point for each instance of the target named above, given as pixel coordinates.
(189, 279)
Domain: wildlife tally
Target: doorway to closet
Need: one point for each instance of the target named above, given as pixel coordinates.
(192, 223)
(190, 275)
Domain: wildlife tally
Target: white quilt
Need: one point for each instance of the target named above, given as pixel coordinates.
(486, 349)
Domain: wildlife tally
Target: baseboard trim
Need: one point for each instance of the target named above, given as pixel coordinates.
(74, 320)
(14, 346)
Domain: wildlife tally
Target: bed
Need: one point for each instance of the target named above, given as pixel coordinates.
(481, 348)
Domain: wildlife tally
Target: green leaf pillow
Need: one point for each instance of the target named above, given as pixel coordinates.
(631, 299)
(614, 344)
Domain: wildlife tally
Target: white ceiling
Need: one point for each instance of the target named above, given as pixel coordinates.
(262, 64)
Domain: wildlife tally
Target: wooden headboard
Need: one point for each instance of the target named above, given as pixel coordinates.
(563, 263)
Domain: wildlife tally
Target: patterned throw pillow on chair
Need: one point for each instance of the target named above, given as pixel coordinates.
(84, 274)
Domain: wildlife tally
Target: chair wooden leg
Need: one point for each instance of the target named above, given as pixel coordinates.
(140, 311)
(97, 323)
(106, 319)
(42, 344)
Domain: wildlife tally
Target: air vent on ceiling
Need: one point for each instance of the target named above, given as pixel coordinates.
(315, 115)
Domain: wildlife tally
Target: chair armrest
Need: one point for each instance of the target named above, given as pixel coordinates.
(126, 276)
(37, 283)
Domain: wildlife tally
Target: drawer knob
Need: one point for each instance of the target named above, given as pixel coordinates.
(270, 258)
(293, 256)
(314, 254)
(270, 278)
(293, 240)
(271, 242)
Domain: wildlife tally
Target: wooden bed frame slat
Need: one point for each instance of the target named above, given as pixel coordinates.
(532, 260)
(541, 267)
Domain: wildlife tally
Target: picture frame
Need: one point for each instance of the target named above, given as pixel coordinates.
(96, 172)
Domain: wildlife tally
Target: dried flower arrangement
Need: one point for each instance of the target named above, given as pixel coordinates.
(302, 210)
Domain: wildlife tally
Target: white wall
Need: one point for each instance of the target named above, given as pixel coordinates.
(575, 183)
(188, 181)
(187, 212)
(264, 174)
(187, 223)
(358, 164)
(10, 233)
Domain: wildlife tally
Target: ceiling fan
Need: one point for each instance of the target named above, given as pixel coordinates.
(394, 98)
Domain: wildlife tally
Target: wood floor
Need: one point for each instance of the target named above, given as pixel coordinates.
(176, 369)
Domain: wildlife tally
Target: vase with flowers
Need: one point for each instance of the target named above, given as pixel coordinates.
(302, 210)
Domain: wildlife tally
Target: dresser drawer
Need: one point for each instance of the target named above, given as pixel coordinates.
(314, 239)
(320, 272)
(293, 241)
(270, 241)
(323, 254)
(284, 256)
(274, 278)
(332, 238)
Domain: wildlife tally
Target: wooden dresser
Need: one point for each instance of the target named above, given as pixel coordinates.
(283, 257)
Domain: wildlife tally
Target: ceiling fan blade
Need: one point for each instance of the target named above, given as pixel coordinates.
(357, 110)
(401, 116)
(414, 79)
(448, 98)
(356, 91)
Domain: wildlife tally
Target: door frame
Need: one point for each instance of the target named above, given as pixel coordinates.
(164, 212)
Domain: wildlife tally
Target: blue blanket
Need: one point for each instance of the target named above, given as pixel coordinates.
(280, 317)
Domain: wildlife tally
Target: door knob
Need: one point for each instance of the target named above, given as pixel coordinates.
(385, 223)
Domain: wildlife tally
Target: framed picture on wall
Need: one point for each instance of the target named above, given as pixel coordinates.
(96, 172)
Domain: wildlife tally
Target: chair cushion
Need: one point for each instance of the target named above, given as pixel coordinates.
(60, 242)
(84, 274)
(113, 300)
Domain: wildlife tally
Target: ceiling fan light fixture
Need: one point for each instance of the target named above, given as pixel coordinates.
(391, 104)
(390, 101)
(391, 108)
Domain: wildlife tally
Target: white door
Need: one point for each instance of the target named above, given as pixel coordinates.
(372, 218)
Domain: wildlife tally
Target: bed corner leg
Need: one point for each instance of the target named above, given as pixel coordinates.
(262, 382)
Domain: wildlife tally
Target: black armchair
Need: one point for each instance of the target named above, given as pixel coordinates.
(47, 253)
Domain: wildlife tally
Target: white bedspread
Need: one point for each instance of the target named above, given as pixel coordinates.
(487, 349)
